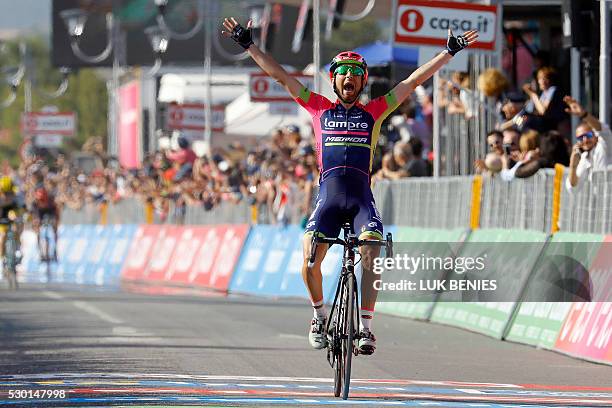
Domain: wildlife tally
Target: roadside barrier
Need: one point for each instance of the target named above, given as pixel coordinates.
(539, 323)
(492, 316)
(587, 329)
(416, 241)
(87, 255)
(271, 264)
(266, 260)
(185, 255)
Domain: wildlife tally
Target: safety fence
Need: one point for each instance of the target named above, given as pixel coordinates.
(463, 135)
(538, 203)
(266, 260)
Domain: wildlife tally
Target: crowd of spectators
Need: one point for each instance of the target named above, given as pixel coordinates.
(533, 129)
(278, 175)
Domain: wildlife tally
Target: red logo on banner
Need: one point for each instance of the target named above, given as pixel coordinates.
(411, 20)
(159, 261)
(202, 256)
(260, 86)
(177, 115)
(139, 254)
(185, 254)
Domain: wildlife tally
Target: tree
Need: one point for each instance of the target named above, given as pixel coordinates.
(350, 35)
(86, 95)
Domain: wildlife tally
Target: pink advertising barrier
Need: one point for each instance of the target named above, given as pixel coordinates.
(587, 329)
(198, 256)
(140, 252)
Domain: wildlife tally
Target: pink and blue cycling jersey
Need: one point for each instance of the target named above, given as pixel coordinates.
(346, 140)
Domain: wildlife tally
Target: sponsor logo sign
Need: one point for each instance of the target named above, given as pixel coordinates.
(587, 331)
(263, 88)
(192, 117)
(342, 139)
(159, 261)
(140, 252)
(283, 108)
(426, 23)
(48, 123)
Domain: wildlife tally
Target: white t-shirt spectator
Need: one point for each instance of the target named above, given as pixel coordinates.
(595, 159)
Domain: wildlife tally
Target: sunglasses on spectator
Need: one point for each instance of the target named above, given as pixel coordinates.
(587, 135)
(344, 69)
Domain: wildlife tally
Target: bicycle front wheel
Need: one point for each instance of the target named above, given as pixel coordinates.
(348, 334)
(10, 263)
(337, 331)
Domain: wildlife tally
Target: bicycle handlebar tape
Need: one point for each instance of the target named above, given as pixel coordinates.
(242, 36)
(389, 245)
(455, 44)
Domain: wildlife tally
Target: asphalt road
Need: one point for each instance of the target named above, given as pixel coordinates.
(104, 348)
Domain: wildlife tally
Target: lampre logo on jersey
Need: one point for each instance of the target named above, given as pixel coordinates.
(343, 124)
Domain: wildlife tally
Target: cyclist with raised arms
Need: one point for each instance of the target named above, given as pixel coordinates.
(346, 135)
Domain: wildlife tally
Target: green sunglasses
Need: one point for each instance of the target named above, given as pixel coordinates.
(344, 69)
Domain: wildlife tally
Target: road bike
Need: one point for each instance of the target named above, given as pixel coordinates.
(11, 258)
(342, 327)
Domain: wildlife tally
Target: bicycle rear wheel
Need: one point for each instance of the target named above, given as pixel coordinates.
(348, 334)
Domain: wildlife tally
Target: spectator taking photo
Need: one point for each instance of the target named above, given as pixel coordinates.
(590, 151)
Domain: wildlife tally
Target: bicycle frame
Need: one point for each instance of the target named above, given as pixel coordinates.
(347, 272)
(343, 319)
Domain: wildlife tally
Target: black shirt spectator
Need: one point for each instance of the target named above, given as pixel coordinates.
(416, 165)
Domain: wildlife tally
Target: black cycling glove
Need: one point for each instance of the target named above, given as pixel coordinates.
(455, 44)
(242, 36)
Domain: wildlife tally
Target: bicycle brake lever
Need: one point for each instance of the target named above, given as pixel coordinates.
(389, 246)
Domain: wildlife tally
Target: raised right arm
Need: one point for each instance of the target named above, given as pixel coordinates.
(265, 61)
(276, 71)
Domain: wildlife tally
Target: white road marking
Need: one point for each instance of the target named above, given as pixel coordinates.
(131, 340)
(91, 309)
(256, 378)
(53, 295)
(292, 336)
(127, 331)
(469, 391)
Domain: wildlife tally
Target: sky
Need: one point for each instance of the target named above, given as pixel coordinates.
(25, 15)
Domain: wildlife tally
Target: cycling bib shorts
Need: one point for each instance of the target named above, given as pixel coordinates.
(345, 199)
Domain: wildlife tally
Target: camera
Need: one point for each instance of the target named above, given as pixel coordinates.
(507, 147)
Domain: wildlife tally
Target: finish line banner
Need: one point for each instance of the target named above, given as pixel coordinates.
(494, 272)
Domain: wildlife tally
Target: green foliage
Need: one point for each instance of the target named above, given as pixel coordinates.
(86, 96)
(350, 35)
